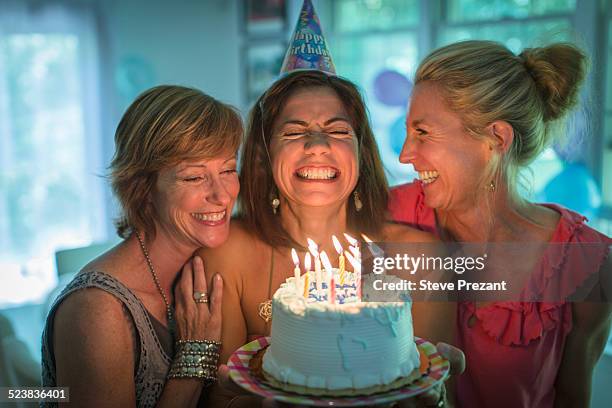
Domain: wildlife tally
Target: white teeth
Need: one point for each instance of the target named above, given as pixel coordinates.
(209, 216)
(428, 176)
(317, 173)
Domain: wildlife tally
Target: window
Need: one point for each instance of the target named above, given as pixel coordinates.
(369, 15)
(374, 43)
(518, 24)
(50, 189)
(265, 38)
(515, 35)
(460, 11)
(607, 128)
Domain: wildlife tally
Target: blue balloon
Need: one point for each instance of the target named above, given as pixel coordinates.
(574, 188)
(392, 88)
(397, 134)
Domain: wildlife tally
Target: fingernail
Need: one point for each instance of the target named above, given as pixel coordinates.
(217, 278)
(197, 259)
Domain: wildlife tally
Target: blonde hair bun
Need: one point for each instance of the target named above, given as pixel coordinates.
(558, 71)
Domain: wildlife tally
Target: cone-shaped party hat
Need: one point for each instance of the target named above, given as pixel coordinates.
(307, 46)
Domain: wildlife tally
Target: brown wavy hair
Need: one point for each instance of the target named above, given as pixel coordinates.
(257, 183)
(162, 127)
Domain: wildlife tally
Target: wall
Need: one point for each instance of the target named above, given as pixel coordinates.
(149, 42)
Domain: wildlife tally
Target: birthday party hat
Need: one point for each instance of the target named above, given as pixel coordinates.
(307, 46)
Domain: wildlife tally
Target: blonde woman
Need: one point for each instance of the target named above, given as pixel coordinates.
(478, 115)
(137, 326)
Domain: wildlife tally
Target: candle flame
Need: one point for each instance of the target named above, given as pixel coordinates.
(313, 247)
(350, 239)
(353, 261)
(355, 252)
(337, 244)
(307, 262)
(296, 260)
(325, 261)
(374, 249)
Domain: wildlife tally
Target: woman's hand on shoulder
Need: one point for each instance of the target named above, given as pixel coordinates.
(94, 345)
(231, 260)
(198, 311)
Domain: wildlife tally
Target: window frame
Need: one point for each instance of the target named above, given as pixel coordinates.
(590, 24)
(83, 23)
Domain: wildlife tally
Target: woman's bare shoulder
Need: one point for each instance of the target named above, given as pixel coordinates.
(85, 318)
(393, 232)
(94, 346)
(91, 307)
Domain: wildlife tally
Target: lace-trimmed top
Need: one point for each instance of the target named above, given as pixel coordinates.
(514, 349)
(152, 360)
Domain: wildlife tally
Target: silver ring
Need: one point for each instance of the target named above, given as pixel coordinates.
(200, 297)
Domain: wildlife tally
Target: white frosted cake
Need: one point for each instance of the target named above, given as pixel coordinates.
(340, 345)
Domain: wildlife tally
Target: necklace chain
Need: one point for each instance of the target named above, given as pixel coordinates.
(156, 280)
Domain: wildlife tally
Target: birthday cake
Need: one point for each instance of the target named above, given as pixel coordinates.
(326, 338)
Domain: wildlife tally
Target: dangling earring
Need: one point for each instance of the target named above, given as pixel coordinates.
(275, 202)
(357, 199)
(492, 186)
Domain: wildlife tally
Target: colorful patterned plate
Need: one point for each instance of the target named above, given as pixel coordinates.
(239, 372)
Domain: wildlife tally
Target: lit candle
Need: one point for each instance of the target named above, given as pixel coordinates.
(375, 249)
(341, 261)
(357, 268)
(314, 250)
(328, 275)
(306, 286)
(354, 247)
(326, 263)
(306, 274)
(355, 252)
(350, 239)
(296, 271)
(353, 261)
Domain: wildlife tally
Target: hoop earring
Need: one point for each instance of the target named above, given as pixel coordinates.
(357, 200)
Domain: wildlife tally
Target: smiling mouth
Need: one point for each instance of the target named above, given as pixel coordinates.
(428, 176)
(211, 217)
(317, 173)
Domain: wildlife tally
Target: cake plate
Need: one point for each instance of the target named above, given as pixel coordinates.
(239, 372)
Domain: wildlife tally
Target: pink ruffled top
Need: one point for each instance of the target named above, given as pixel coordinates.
(514, 349)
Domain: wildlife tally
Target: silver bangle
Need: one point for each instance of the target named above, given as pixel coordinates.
(196, 359)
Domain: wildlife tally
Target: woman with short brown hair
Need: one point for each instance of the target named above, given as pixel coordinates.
(128, 330)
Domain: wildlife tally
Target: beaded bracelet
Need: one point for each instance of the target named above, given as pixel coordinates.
(196, 359)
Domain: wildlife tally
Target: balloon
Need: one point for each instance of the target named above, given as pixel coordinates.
(397, 134)
(575, 188)
(392, 88)
(576, 129)
(565, 152)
